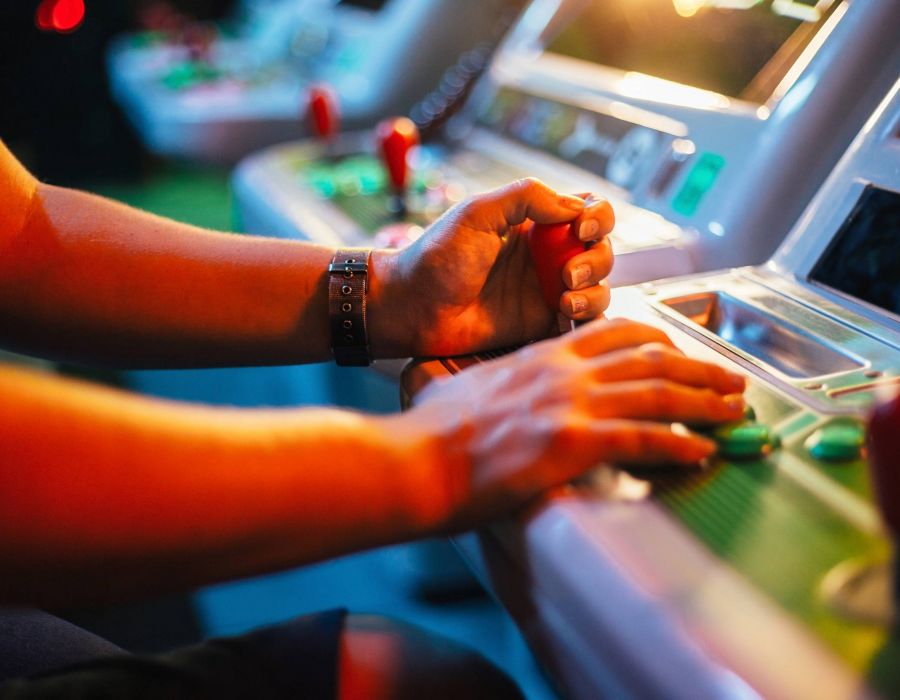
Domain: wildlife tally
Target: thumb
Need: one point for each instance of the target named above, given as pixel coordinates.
(513, 204)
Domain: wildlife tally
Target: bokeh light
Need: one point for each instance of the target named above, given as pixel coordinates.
(61, 16)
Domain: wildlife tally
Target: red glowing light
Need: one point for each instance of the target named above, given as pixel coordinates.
(62, 16)
(43, 18)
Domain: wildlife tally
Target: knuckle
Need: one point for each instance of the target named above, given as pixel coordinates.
(622, 324)
(528, 185)
(567, 433)
(655, 356)
(663, 396)
(717, 375)
(470, 206)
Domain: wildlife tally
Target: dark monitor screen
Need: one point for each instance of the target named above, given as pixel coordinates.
(373, 5)
(738, 49)
(863, 260)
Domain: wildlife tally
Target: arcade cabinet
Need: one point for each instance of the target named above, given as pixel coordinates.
(708, 125)
(770, 572)
(216, 96)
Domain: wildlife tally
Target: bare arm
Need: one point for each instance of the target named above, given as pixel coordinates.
(89, 280)
(105, 496)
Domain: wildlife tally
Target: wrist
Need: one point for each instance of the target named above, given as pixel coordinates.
(389, 322)
(434, 458)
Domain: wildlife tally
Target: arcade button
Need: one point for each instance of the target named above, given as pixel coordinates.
(837, 442)
(190, 73)
(743, 440)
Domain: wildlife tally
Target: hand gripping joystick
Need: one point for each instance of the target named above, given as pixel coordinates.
(323, 114)
(884, 460)
(395, 138)
(552, 245)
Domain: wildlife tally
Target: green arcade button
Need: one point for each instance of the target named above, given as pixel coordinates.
(837, 442)
(187, 74)
(743, 440)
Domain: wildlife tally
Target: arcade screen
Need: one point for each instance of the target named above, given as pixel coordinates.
(863, 260)
(739, 48)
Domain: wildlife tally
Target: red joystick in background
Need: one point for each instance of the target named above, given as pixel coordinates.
(395, 139)
(884, 458)
(552, 245)
(323, 113)
(884, 461)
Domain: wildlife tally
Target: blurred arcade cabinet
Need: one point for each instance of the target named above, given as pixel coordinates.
(215, 94)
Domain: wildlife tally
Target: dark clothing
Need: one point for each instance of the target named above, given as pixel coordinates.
(297, 659)
(32, 641)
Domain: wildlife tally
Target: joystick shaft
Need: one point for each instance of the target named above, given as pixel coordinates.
(323, 114)
(395, 138)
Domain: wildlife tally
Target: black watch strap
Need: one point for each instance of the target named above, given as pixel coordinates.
(348, 283)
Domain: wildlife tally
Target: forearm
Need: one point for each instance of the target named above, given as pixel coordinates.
(90, 280)
(104, 496)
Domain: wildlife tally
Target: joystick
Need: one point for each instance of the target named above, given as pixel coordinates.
(395, 137)
(551, 246)
(199, 38)
(884, 459)
(323, 114)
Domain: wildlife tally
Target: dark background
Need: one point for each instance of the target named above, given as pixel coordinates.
(56, 113)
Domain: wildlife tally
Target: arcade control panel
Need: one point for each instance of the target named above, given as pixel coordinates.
(706, 168)
(769, 573)
(340, 192)
(216, 96)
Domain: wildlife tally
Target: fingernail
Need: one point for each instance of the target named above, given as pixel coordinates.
(707, 448)
(735, 403)
(736, 382)
(588, 230)
(578, 303)
(570, 202)
(580, 274)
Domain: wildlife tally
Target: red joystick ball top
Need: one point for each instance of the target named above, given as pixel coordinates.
(884, 458)
(552, 245)
(395, 138)
(323, 113)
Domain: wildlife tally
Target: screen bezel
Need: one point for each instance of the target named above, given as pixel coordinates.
(527, 44)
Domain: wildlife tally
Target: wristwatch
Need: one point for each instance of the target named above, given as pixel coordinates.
(348, 282)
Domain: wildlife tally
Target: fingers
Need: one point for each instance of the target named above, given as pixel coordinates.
(585, 304)
(590, 267)
(661, 399)
(664, 362)
(605, 336)
(517, 202)
(586, 275)
(596, 220)
(633, 443)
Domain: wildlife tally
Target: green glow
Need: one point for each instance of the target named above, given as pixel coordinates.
(837, 442)
(743, 440)
(699, 181)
